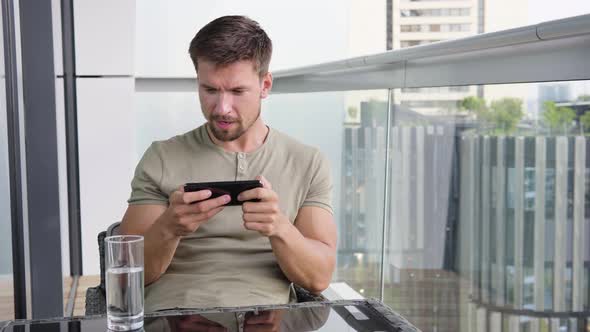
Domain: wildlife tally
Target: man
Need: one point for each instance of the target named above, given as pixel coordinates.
(201, 253)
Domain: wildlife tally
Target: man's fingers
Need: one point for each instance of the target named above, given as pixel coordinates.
(262, 194)
(260, 207)
(256, 226)
(265, 183)
(196, 196)
(176, 197)
(257, 218)
(209, 204)
(190, 222)
(213, 212)
(251, 194)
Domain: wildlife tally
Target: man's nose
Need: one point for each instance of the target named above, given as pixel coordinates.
(223, 104)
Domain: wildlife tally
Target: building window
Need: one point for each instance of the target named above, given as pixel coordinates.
(459, 27)
(465, 27)
(410, 28)
(436, 12)
(410, 43)
(437, 89)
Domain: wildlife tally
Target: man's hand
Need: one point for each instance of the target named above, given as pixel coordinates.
(265, 216)
(163, 226)
(183, 216)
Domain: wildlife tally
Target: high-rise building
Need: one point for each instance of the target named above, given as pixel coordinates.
(555, 92)
(420, 22)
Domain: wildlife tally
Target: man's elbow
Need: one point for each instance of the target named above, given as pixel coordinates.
(151, 276)
(318, 285)
(150, 280)
(322, 281)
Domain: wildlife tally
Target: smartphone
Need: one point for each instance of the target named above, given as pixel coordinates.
(231, 188)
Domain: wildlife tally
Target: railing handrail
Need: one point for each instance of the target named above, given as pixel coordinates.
(549, 51)
(562, 28)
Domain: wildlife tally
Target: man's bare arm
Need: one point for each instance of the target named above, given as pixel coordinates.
(163, 226)
(306, 249)
(159, 246)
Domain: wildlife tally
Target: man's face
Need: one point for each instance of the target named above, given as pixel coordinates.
(230, 97)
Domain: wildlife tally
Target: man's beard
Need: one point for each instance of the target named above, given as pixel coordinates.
(230, 135)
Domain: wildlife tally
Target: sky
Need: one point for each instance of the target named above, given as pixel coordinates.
(548, 10)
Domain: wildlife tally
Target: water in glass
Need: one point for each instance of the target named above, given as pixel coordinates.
(124, 288)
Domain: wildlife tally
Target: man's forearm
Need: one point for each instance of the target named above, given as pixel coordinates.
(160, 246)
(306, 262)
(164, 226)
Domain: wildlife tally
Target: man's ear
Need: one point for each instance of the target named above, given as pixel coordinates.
(266, 85)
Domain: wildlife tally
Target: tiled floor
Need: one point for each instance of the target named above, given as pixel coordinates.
(6, 304)
(6, 295)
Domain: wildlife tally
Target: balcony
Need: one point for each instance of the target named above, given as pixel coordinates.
(461, 170)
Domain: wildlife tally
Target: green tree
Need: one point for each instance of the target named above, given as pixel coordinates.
(558, 119)
(352, 112)
(474, 105)
(585, 121)
(505, 114)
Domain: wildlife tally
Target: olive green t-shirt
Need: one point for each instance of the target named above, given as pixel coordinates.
(222, 263)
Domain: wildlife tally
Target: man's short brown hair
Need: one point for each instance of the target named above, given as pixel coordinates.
(229, 39)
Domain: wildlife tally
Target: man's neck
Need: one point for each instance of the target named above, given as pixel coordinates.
(251, 140)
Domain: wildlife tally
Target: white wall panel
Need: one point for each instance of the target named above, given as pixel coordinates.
(303, 32)
(107, 157)
(104, 37)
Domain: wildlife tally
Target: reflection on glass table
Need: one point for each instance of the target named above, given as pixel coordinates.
(337, 316)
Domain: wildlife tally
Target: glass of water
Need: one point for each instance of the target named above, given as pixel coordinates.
(124, 282)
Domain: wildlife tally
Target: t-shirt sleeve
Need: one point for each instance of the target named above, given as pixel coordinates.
(320, 189)
(146, 184)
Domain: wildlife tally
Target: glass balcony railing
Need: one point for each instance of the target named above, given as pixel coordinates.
(461, 204)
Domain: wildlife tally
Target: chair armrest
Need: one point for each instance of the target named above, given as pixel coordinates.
(95, 296)
(101, 250)
(95, 301)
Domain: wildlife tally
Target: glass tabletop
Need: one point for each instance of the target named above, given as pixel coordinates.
(341, 316)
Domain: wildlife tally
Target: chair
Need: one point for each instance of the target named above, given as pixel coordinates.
(96, 298)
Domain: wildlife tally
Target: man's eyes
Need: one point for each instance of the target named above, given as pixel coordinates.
(236, 92)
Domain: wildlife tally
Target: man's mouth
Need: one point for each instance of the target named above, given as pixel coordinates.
(223, 124)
